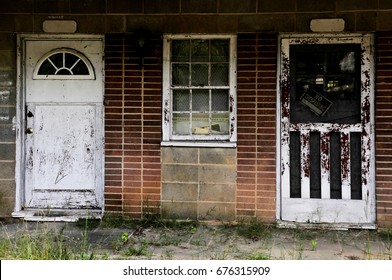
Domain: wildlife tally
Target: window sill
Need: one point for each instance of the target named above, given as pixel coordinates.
(218, 144)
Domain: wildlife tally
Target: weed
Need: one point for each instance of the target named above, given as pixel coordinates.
(259, 256)
(314, 245)
(137, 249)
(254, 229)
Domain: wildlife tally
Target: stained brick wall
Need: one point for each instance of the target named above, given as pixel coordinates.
(132, 126)
(384, 128)
(256, 183)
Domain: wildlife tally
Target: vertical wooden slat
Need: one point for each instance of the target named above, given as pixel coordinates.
(305, 164)
(325, 165)
(346, 170)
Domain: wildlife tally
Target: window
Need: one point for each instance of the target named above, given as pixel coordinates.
(199, 100)
(64, 64)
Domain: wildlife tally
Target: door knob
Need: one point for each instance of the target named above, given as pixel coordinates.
(29, 130)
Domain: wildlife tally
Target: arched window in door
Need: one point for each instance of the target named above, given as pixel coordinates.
(64, 64)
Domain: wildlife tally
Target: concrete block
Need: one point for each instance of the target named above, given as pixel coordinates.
(7, 188)
(232, 6)
(179, 210)
(87, 6)
(7, 40)
(366, 21)
(218, 156)
(162, 6)
(350, 5)
(385, 21)
(275, 23)
(217, 174)
(7, 171)
(7, 59)
(267, 6)
(124, 7)
(179, 192)
(7, 114)
(179, 155)
(199, 6)
(7, 77)
(7, 151)
(7, 206)
(115, 24)
(7, 95)
(316, 6)
(217, 211)
(52, 7)
(217, 192)
(7, 133)
(180, 173)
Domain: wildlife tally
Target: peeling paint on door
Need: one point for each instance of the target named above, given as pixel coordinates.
(306, 206)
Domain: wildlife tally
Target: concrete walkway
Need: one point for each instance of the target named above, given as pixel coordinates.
(204, 242)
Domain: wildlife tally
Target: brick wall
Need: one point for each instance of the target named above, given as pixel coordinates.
(256, 183)
(384, 128)
(132, 126)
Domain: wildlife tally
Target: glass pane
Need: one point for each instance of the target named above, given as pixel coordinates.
(220, 123)
(70, 60)
(80, 68)
(200, 100)
(64, 71)
(180, 74)
(57, 59)
(327, 93)
(200, 51)
(199, 75)
(181, 124)
(220, 74)
(46, 68)
(180, 51)
(220, 100)
(341, 62)
(181, 100)
(200, 124)
(220, 50)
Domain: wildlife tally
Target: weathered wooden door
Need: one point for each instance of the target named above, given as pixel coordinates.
(327, 130)
(63, 123)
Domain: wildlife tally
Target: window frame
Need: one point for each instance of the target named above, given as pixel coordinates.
(63, 51)
(168, 138)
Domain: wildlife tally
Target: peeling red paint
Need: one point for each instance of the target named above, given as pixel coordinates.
(325, 151)
(306, 163)
(344, 143)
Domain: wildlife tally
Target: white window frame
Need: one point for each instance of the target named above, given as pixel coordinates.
(168, 139)
(90, 76)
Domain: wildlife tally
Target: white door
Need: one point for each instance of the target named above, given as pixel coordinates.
(327, 129)
(63, 123)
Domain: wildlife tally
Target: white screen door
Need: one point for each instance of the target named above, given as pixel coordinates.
(327, 130)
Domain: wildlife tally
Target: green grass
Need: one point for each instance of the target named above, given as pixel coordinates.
(43, 244)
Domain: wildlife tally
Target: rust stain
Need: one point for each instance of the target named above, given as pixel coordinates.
(344, 138)
(325, 152)
(285, 86)
(306, 162)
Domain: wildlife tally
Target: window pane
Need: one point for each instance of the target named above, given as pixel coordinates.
(199, 51)
(180, 74)
(220, 123)
(220, 100)
(57, 59)
(181, 100)
(220, 50)
(180, 51)
(80, 68)
(181, 124)
(46, 68)
(200, 122)
(199, 75)
(200, 100)
(219, 74)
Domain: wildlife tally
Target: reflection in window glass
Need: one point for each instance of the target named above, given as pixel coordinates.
(325, 83)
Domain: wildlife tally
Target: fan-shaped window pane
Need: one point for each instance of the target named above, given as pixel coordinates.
(64, 64)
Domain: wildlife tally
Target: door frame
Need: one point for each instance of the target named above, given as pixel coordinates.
(19, 124)
(282, 82)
